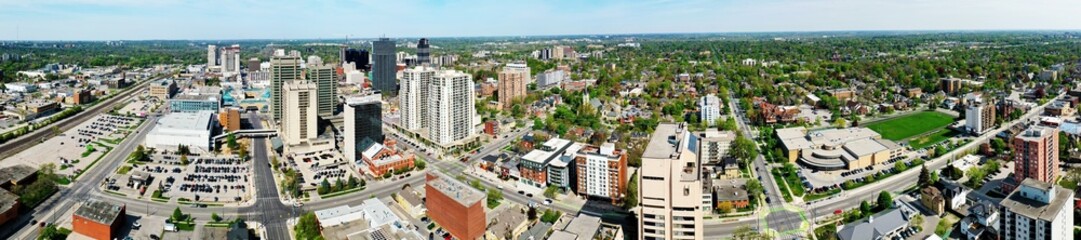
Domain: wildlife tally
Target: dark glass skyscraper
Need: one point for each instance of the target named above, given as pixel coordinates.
(424, 53)
(364, 124)
(384, 67)
(358, 57)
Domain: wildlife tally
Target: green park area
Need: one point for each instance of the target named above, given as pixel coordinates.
(910, 125)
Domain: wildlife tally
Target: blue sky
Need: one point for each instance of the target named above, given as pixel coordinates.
(280, 19)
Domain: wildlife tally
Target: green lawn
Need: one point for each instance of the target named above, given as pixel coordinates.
(780, 184)
(933, 138)
(910, 125)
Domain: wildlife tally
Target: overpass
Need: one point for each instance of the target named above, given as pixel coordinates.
(248, 133)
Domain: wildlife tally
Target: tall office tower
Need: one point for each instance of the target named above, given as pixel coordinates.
(1038, 210)
(413, 100)
(1035, 156)
(450, 106)
(324, 76)
(363, 124)
(709, 109)
(299, 120)
(230, 59)
(384, 70)
(512, 82)
(424, 53)
(283, 69)
(211, 55)
(358, 57)
(670, 186)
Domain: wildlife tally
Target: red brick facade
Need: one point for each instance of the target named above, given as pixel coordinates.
(462, 222)
(97, 230)
(406, 161)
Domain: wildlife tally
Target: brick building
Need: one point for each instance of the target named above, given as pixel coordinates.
(1035, 156)
(602, 171)
(229, 119)
(455, 206)
(382, 158)
(98, 219)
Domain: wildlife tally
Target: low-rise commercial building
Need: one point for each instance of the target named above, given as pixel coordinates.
(534, 165)
(733, 195)
(192, 129)
(208, 100)
(164, 89)
(455, 206)
(98, 219)
(879, 226)
(371, 220)
(381, 159)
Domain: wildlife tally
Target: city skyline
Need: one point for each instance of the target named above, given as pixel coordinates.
(210, 20)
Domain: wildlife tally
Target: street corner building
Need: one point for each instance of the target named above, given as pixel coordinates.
(455, 206)
(98, 219)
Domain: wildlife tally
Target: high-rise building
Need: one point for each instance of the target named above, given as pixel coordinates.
(1038, 210)
(979, 117)
(299, 115)
(1035, 155)
(451, 107)
(230, 59)
(324, 76)
(363, 124)
(211, 56)
(283, 69)
(602, 171)
(384, 69)
(455, 206)
(512, 83)
(709, 109)
(670, 186)
(359, 57)
(424, 53)
(413, 99)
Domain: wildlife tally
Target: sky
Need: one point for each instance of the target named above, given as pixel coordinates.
(315, 19)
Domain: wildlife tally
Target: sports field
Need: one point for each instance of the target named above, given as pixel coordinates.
(910, 125)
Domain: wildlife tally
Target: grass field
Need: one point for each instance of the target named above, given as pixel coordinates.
(910, 125)
(932, 139)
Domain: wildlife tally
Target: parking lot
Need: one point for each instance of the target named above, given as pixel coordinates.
(139, 106)
(205, 179)
(69, 151)
(329, 166)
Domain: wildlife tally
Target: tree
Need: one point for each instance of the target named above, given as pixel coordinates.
(550, 216)
(925, 177)
(745, 232)
(550, 191)
(420, 164)
(178, 216)
(885, 201)
(307, 228)
(230, 140)
(184, 159)
(900, 166)
(840, 123)
(865, 207)
(51, 232)
(744, 149)
(917, 221)
(730, 124)
(725, 207)
(215, 217)
(324, 187)
(353, 183)
(532, 213)
(934, 178)
(754, 187)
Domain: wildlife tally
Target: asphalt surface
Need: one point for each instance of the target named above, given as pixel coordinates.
(33, 138)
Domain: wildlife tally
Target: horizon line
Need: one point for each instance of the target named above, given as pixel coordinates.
(575, 35)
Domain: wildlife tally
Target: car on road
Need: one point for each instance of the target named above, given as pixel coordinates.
(136, 225)
(529, 195)
(548, 201)
(521, 192)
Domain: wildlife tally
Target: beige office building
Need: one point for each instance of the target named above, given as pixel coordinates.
(299, 115)
(670, 186)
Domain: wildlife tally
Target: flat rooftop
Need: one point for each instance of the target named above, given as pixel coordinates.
(99, 211)
(548, 151)
(665, 141)
(199, 120)
(16, 173)
(454, 189)
(1035, 133)
(1035, 209)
